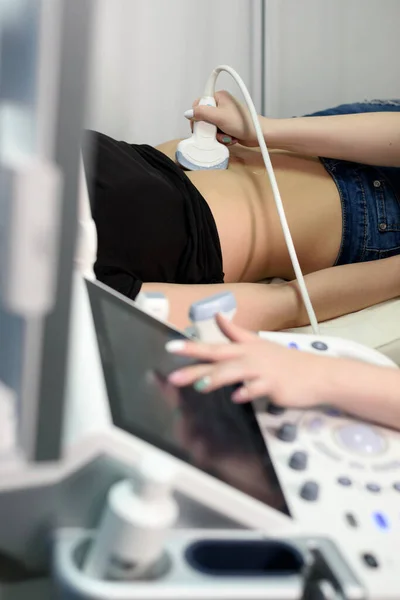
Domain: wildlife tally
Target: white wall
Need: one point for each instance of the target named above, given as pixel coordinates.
(151, 59)
(324, 52)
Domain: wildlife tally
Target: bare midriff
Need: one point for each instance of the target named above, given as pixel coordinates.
(243, 206)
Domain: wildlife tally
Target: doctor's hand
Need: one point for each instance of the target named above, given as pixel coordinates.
(230, 116)
(288, 376)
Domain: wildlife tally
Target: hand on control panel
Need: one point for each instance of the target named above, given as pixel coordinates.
(249, 359)
(288, 376)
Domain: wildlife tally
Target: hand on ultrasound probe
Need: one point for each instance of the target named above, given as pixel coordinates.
(370, 138)
(288, 376)
(230, 116)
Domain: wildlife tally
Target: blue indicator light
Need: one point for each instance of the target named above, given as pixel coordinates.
(293, 345)
(380, 520)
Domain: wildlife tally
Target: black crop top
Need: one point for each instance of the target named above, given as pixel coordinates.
(152, 223)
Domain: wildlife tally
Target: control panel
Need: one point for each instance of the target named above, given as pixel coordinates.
(340, 476)
(328, 346)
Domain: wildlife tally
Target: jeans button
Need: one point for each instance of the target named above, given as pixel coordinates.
(377, 183)
(382, 226)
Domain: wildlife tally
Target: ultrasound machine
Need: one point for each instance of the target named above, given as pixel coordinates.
(98, 451)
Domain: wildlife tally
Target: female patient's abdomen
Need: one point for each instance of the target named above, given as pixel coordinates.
(241, 200)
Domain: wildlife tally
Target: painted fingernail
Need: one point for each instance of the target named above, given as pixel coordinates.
(175, 346)
(240, 395)
(176, 377)
(189, 113)
(202, 384)
(227, 139)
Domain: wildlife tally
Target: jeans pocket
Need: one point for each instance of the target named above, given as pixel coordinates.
(384, 238)
(387, 205)
(370, 255)
(387, 253)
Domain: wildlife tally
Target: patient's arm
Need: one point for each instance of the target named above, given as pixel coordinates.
(259, 306)
(345, 289)
(334, 292)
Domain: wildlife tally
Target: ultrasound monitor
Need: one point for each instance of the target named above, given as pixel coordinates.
(207, 431)
(43, 82)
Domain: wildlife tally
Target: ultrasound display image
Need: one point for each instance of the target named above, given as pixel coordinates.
(208, 431)
(218, 442)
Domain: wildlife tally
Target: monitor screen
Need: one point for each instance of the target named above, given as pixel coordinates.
(208, 431)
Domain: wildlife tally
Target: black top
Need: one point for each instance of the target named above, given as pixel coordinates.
(152, 223)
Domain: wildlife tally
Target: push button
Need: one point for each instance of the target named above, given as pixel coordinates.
(361, 438)
(345, 481)
(298, 461)
(396, 486)
(373, 487)
(287, 432)
(351, 520)
(310, 491)
(333, 412)
(315, 424)
(370, 560)
(319, 346)
(380, 520)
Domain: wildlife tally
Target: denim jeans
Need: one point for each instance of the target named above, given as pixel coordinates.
(370, 197)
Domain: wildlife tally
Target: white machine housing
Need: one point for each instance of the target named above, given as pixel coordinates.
(340, 476)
